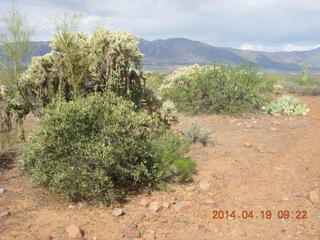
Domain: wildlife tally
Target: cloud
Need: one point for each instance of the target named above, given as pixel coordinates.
(232, 23)
(285, 48)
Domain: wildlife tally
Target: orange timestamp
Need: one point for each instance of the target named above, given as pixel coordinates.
(264, 214)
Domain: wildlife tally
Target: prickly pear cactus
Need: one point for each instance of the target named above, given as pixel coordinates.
(286, 105)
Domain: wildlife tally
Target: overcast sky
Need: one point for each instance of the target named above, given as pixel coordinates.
(248, 24)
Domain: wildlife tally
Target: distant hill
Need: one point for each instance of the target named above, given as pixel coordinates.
(171, 53)
(180, 51)
(41, 48)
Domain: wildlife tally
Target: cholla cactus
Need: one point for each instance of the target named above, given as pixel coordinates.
(2, 90)
(80, 64)
(169, 113)
(183, 76)
(278, 88)
(180, 77)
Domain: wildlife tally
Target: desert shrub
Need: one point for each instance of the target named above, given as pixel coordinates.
(305, 90)
(302, 84)
(7, 138)
(170, 147)
(8, 130)
(305, 78)
(195, 134)
(221, 89)
(155, 80)
(286, 105)
(99, 148)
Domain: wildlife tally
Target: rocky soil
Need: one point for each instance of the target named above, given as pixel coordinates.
(257, 165)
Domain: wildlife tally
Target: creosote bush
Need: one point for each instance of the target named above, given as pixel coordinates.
(99, 148)
(220, 89)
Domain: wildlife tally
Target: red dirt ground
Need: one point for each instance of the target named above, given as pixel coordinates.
(276, 173)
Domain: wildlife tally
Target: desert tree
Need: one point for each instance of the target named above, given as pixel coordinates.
(15, 42)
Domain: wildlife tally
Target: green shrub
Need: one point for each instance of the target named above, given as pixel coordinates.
(221, 89)
(286, 105)
(155, 79)
(196, 134)
(169, 147)
(97, 148)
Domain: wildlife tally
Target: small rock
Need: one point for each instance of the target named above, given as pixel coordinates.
(274, 129)
(132, 225)
(259, 149)
(166, 205)
(149, 235)
(81, 205)
(1, 190)
(72, 206)
(298, 195)
(181, 205)
(133, 234)
(314, 197)
(117, 212)
(276, 123)
(155, 206)
(190, 188)
(4, 214)
(248, 145)
(204, 185)
(74, 232)
(173, 200)
(285, 199)
(145, 202)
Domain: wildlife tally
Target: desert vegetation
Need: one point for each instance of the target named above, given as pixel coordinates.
(305, 83)
(103, 132)
(116, 144)
(92, 98)
(217, 89)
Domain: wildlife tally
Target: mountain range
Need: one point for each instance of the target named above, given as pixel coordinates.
(166, 55)
(175, 52)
